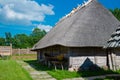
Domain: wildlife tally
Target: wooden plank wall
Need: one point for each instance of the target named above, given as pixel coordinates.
(87, 56)
(5, 50)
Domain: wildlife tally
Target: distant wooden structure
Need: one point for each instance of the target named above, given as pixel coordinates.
(81, 36)
(6, 50)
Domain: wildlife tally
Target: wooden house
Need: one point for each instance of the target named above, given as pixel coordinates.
(80, 36)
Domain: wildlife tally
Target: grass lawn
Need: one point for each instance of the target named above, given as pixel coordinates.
(10, 70)
(62, 74)
(24, 57)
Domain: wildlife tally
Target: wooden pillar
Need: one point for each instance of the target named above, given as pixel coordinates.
(111, 62)
(39, 55)
(107, 55)
(95, 59)
(95, 56)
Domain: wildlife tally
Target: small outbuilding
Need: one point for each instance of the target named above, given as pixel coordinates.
(113, 50)
(80, 37)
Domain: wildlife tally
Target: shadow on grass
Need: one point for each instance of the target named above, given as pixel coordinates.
(39, 67)
(90, 73)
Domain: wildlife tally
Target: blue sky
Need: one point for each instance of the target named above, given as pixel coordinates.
(22, 16)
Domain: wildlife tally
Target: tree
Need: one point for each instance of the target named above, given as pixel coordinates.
(116, 13)
(8, 38)
(36, 35)
(2, 42)
(21, 41)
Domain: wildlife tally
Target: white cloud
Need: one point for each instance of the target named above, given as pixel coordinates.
(45, 27)
(23, 11)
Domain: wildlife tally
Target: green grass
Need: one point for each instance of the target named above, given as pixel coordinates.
(62, 74)
(24, 57)
(10, 70)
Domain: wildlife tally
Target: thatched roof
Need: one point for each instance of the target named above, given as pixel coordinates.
(114, 41)
(89, 25)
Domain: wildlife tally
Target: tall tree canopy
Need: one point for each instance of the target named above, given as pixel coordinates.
(36, 35)
(21, 41)
(8, 38)
(2, 41)
(116, 13)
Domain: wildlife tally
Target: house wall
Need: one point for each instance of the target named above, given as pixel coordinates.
(78, 57)
(116, 57)
(86, 57)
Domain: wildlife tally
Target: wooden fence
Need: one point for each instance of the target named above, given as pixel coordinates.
(5, 50)
(23, 51)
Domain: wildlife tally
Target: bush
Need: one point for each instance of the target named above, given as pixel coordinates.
(5, 57)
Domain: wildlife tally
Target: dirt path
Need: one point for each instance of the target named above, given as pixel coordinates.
(36, 75)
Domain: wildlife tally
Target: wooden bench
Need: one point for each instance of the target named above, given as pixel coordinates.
(55, 60)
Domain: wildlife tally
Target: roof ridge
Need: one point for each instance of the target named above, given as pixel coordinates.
(74, 10)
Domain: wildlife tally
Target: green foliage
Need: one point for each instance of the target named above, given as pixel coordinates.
(5, 57)
(36, 35)
(22, 40)
(116, 13)
(8, 38)
(10, 70)
(2, 41)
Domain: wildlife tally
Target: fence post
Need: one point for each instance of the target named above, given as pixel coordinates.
(19, 51)
(27, 50)
(10, 48)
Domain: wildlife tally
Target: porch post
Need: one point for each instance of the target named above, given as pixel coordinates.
(109, 60)
(113, 56)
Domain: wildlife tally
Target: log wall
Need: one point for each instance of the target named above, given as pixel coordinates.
(85, 57)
